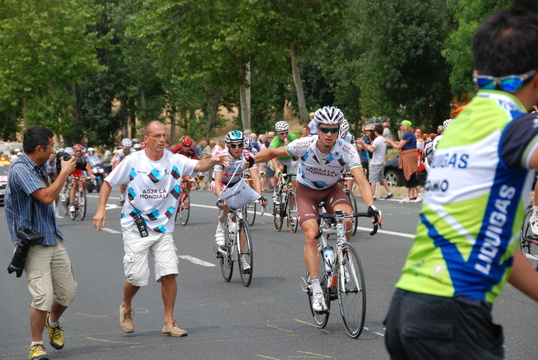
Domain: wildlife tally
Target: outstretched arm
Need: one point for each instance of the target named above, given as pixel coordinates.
(270, 153)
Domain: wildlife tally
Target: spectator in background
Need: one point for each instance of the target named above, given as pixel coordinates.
(197, 148)
(368, 131)
(408, 160)
(386, 131)
(306, 131)
(376, 173)
(312, 124)
(206, 155)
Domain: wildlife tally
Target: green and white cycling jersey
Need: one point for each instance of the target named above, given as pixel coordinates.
(475, 199)
(277, 142)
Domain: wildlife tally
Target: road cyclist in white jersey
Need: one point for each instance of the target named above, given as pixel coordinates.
(227, 176)
(322, 160)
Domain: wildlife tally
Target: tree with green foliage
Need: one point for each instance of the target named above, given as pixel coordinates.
(45, 49)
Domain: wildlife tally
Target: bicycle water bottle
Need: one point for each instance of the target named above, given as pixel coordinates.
(328, 257)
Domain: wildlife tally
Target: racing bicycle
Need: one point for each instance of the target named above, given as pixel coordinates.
(237, 247)
(341, 275)
(184, 202)
(79, 201)
(352, 199)
(529, 241)
(285, 206)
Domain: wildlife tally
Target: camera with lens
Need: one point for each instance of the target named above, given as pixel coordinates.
(80, 162)
(28, 238)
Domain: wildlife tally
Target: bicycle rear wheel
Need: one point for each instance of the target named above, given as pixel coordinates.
(529, 242)
(244, 253)
(185, 208)
(226, 263)
(320, 319)
(277, 215)
(351, 291)
(250, 213)
(355, 207)
(81, 212)
(293, 221)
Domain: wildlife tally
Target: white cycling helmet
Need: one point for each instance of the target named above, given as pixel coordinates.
(344, 128)
(70, 150)
(92, 150)
(328, 115)
(126, 143)
(281, 126)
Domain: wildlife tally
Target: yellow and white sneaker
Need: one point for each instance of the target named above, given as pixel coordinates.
(38, 352)
(56, 335)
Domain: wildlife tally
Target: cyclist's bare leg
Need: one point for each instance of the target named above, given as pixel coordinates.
(348, 223)
(311, 254)
(72, 191)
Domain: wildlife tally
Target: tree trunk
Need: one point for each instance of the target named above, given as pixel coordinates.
(244, 97)
(298, 84)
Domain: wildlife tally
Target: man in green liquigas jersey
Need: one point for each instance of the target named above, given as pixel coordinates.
(466, 245)
(283, 164)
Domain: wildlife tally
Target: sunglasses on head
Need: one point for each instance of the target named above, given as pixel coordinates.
(510, 83)
(234, 146)
(328, 130)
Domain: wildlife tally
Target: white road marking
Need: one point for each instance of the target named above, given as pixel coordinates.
(111, 231)
(196, 261)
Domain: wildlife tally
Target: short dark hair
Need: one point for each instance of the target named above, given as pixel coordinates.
(505, 43)
(35, 136)
(378, 129)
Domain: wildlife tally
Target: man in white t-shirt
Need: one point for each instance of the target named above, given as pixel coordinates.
(147, 221)
(376, 173)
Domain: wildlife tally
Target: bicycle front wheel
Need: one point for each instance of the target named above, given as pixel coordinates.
(351, 291)
(277, 216)
(320, 319)
(226, 263)
(293, 221)
(185, 209)
(529, 242)
(355, 207)
(250, 213)
(81, 212)
(244, 251)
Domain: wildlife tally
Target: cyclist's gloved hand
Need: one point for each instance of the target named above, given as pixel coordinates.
(262, 200)
(278, 172)
(373, 211)
(219, 202)
(250, 161)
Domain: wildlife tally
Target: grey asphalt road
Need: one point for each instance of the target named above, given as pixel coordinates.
(268, 320)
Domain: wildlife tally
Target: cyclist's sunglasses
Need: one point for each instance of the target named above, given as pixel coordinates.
(234, 146)
(283, 133)
(328, 130)
(510, 83)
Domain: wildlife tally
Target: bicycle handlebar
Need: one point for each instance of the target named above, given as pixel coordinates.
(355, 215)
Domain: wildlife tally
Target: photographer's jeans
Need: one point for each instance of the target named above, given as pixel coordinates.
(50, 274)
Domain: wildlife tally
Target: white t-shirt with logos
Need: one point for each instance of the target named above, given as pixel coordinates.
(153, 188)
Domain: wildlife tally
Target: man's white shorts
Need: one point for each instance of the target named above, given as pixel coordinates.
(137, 249)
